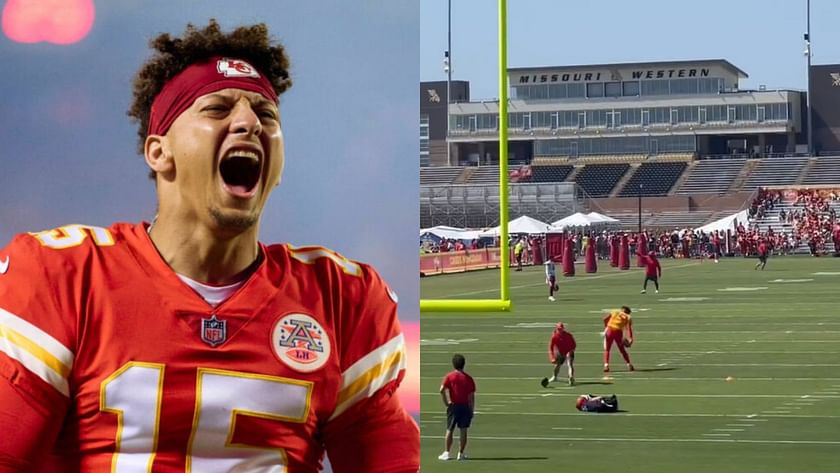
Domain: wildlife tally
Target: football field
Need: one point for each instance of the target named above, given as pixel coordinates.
(737, 370)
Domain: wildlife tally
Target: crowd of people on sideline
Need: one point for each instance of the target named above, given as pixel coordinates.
(807, 217)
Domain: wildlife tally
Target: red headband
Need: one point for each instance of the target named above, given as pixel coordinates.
(218, 73)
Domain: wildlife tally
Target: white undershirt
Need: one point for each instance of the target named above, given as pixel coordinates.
(214, 295)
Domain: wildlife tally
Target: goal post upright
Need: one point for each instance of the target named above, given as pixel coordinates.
(503, 304)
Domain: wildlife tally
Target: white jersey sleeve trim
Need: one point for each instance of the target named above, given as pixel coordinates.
(36, 350)
(370, 373)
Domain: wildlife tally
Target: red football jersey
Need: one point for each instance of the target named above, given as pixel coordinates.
(99, 333)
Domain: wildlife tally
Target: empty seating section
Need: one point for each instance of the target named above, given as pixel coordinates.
(610, 158)
(549, 160)
(664, 220)
(824, 170)
(673, 157)
(485, 175)
(598, 180)
(550, 173)
(654, 178)
(775, 172)
(711, 176)
(439, 175)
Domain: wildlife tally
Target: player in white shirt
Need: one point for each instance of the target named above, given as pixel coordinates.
(551, 279)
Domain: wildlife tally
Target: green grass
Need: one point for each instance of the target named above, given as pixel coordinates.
(781, 346)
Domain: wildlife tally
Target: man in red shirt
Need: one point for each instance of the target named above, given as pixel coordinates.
(560, 348)
(762, 255)
(458, 394)
(653, 271)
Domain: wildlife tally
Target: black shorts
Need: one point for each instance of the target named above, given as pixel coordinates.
(562, 358)
(762, 258)
(652, 278)
(458, 415)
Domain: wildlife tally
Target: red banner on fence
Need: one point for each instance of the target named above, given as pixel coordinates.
(458, 261)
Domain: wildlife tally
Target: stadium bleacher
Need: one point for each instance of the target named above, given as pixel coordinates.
(484, 175)
(439, 175)
(824, 170)
(598, 180)
(772, 172)
(550, 173)
(711, 176)
(655, 178)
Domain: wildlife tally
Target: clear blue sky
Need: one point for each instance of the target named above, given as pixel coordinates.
(68, 151)
(762, 37)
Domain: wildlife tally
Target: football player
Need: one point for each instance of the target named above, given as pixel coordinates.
(615, 325)
(561, 348)
(186, 344)
(590, 403)
(551, 278)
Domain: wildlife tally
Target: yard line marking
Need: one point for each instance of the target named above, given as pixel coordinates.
(787, 365)
(630, 377)
(740, 425)
(642, 440)
(705, 342)
(728, 430)
(747, 417)
(717, 435)
(647, 332)
(776, 412)
(561, 281)
(830, 392)
(567, 428)
(651, 352)
(525, 396)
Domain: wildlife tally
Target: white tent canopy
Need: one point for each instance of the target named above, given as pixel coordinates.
(523, 224)
(450, 233)
(726, 223)
(577, 219)
(596, 217)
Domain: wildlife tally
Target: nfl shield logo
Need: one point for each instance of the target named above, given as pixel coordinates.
(213, 331)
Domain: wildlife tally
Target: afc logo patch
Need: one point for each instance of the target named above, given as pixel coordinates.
(300, 342)
(236, 68)
(213, 331)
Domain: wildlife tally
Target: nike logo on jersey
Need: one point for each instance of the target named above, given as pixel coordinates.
(4, 265)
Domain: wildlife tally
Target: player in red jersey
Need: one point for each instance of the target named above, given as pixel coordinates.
(561, 347)
(615, 324)
(458, 393)
(187, 345)
(653, 271)
(763, 252)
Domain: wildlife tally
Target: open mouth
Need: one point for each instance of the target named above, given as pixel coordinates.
(240, 171)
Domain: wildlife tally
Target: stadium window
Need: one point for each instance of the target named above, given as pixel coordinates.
(595, 89)
(612, 89)
(630, 88)
(557, 91)
(576, 90)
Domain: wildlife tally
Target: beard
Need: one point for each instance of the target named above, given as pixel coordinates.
(237, 223)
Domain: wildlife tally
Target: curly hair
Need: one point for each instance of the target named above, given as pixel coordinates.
(172, 55)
